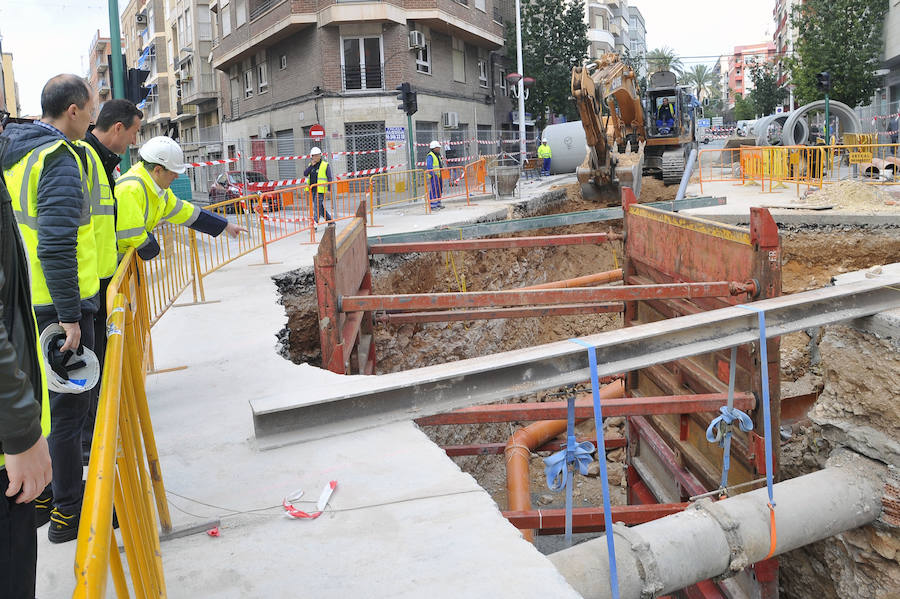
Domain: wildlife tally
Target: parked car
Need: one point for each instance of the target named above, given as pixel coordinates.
(234, 184)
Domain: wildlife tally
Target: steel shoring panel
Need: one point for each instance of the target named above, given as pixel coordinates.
(487, 314)
(532, 223)
(365, 402)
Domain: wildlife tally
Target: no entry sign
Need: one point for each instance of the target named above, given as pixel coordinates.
(317, 132)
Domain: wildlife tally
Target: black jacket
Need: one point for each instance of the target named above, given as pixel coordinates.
(60, 199)
(21, 378)
(109, 159)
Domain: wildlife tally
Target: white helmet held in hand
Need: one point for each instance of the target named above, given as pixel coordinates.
(434, 144)
(68, 371)
(164, 151)
(315, 152)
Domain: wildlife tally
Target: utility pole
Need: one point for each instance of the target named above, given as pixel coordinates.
(823, 82)
(521, 83)
(118, 77)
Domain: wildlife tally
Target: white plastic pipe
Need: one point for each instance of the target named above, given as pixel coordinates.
(714, 538)
(686, 175)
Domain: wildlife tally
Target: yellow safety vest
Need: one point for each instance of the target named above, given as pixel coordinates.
(103, 212)
(140, 208)
(322, 175)
(22, 181)
(544, 151)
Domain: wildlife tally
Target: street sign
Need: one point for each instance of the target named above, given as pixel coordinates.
(395, 133)
(703, 122)
(317, 132)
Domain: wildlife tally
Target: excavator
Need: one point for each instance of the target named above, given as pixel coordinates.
(624, 138)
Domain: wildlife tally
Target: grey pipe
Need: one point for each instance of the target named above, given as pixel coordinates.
(849, 120)
(686, 176)
(720, 538)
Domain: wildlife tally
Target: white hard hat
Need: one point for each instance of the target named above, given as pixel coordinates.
(69, 371)
(544, 140)
(164, 151)
(315, 152)
(434, 144)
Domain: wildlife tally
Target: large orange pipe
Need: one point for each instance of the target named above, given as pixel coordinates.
(600, 277)
(518, 453)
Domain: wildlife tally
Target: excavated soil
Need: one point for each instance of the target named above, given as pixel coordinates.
(810, 362)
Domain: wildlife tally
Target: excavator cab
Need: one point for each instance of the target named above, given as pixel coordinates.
(669, 141)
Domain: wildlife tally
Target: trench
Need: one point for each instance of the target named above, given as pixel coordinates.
(811, 256)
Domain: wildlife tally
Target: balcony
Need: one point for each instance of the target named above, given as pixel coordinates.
(448, 17)
(601, 36)
(354, 11)
(201, 88)
(103, 87)
(184, 113)
(356, 79)
(208, 134)
(270, 21)
(498, 16)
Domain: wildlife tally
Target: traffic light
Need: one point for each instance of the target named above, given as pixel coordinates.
(134, 85)
(823, 81)
(409, 101)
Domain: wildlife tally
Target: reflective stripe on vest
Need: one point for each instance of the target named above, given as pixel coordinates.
(103, 213)
(22, 180)
(322, 175)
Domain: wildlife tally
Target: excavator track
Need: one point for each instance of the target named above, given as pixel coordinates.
(673, 166)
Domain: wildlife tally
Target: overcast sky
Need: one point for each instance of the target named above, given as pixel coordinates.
(47, 37)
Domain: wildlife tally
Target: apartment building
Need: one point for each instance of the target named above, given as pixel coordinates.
(9, 91)
(741, 62)
(144, 29)
(291, 64)
(720, 71)
(783, 38)
(637, 31)
(608, 27)
(891, 88)
(99, 75)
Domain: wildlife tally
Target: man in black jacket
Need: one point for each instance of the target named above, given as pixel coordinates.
(24, 414)
(47, 182)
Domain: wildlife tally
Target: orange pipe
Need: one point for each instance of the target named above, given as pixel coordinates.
(600, 277)
(518, 454)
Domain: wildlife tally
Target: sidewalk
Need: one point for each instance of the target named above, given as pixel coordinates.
(404, 520)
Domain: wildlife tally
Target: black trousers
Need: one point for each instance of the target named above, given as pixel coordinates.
(68, 412)
(87, 433)
(18, 545)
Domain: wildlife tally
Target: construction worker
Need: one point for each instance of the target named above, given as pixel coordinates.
(665, 116)
(25, 466)
(545, 154)
(116, 128)
(319, 175)
(46, 179)
(143, 198)
(434, 165)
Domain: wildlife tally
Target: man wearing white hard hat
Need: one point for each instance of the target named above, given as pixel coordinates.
(143, 199)
(434, 165)
(545, 154)
(319, 175)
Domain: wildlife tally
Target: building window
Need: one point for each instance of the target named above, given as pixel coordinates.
(502, 77)
(225, 16)
(459, 60)
(262, 77)
(188, 37)
(361, 63)
(204, 24)
(482, 73)
(283, 62)
(248, 83)
(240, 12)
(479, 4)
(423, 59)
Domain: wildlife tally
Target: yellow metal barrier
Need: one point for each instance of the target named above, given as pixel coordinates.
(212, 253)
(124, 469)
(392, 188)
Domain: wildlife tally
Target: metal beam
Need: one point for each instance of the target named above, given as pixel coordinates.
(498, 448)
(487, 314)
(618, 406)
(493, 244)
(590, 519)
(365, 402)
(537, 297)
(532, 223)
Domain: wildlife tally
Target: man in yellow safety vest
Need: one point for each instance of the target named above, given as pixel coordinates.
(143, 199)
(319, 175)
(46, 178)
(545, 154)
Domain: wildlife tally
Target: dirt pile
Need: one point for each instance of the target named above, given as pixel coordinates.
(856, 197)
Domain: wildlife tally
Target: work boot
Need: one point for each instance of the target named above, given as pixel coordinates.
(63, 527)
(43, 504)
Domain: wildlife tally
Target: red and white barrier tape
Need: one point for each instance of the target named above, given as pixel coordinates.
(275, 219)
(213, 162)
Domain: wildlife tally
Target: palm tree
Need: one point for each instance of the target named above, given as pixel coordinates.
(700, 77)
(664, 59)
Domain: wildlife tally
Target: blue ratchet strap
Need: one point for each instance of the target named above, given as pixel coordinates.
(556, 466)
(767, 422)
(719, 430)
(604, 479)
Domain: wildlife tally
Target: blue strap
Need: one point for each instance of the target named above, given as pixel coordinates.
(719, 431)
(604, 479)
(764, 373)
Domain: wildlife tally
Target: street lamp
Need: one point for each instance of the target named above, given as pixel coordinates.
(514, 78)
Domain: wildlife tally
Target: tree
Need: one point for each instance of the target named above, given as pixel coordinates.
(636, 62)
(843, 37)
(701, 78)
(664, 59)
(743, 109)
(766, 94)
(554, 39)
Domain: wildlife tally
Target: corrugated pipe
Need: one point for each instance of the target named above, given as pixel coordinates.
(717, 539)
(522, 443)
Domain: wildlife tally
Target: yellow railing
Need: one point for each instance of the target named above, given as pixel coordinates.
(393, 188)
(124, 468)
